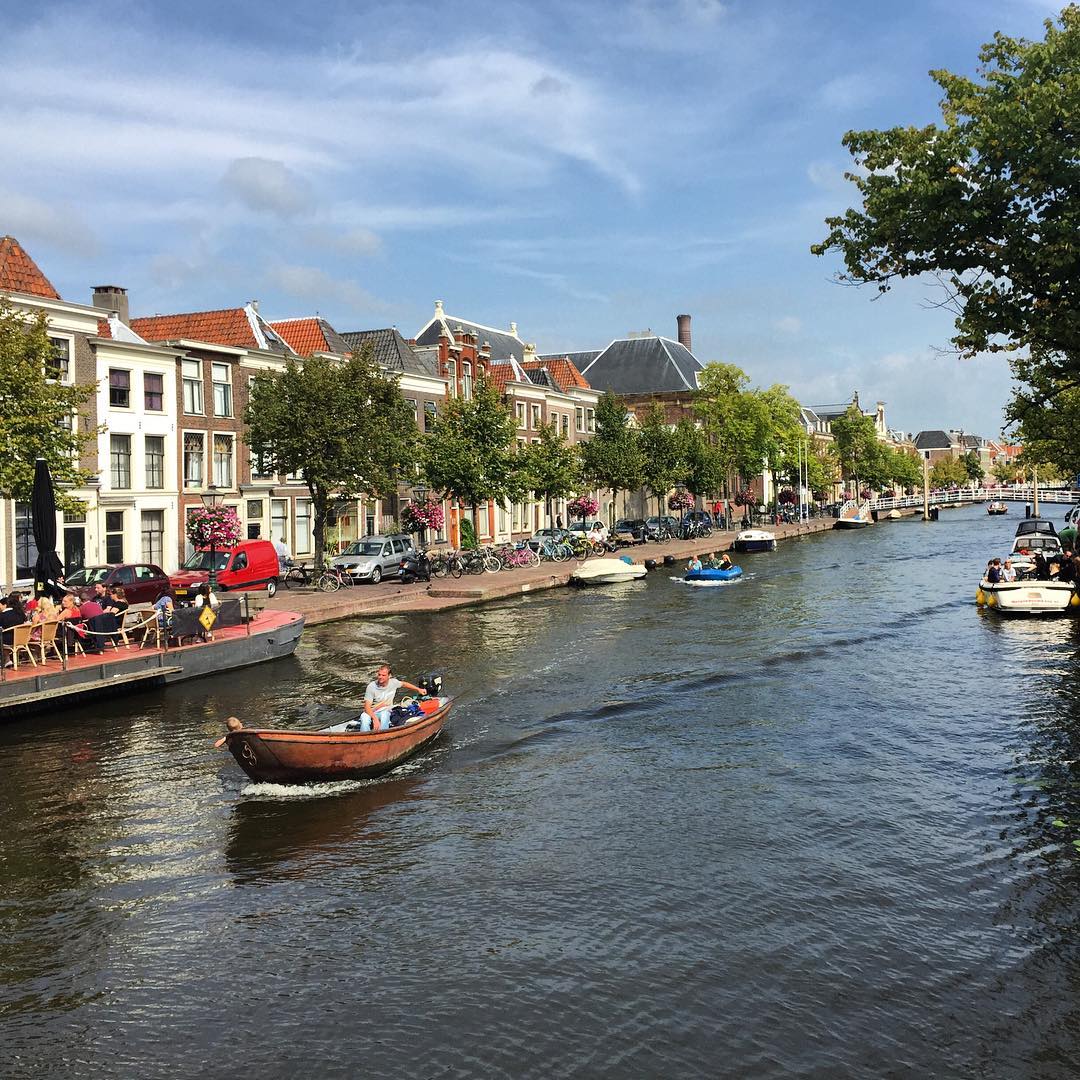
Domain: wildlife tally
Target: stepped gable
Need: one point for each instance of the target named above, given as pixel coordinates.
(503, 344)
(20, 274)
(643, 365)
(392, 351)
(310, 335)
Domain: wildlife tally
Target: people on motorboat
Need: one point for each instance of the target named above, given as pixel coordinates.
(379, 698)
(1008, 571)
(1066, 570)
(693, 565)
(1042, 567)
(993, 573)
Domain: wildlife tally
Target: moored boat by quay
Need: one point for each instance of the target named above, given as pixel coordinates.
(607, 572)
(751, 540)
(854, 515)
(341, 752)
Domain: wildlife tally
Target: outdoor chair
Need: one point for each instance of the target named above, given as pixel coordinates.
(47, 641)
(20, 643)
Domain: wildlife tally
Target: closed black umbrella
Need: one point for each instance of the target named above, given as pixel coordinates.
(43, 517)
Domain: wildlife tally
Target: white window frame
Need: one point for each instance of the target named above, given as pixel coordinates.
(198, 404)
(115, 475)
(201, 481)
(536, 416)
(222, 387)
(146, 463)
(147, 407)
(522, 418)
(221, 462)
(466, 380)
(579, 419)
(66, 368)
(119, 371)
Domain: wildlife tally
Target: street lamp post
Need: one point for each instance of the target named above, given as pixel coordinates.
(211, 498)
(420, 496)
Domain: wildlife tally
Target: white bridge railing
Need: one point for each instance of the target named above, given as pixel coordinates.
(1024, 493)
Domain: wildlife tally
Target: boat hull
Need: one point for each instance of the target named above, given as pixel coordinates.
(300, 757)
(607, 572)
(754, 541)
(710, 574)
(1029, 597)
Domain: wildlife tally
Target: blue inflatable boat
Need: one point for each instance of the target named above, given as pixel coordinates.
(707, 573)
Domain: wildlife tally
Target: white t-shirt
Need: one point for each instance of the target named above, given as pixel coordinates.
(381, 696)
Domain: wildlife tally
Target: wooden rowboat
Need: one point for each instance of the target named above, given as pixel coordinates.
(272, 756)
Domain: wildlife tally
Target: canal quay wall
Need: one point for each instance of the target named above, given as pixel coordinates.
(442, 594)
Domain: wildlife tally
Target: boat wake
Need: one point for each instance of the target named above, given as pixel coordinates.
(283, 792)
(709, 584)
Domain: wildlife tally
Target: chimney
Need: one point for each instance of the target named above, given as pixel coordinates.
(438, 309)
(684, 330)
(112, 298)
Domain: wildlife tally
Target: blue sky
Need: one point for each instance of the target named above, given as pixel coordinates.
(584, 169)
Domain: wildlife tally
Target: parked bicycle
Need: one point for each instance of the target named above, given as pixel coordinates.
(332, 579)
(294, 575)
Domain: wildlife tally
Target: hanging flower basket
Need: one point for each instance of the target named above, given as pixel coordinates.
(681, 500)
(583, 506)
(744, 497)
(865, 494)
(213, 527)
(786, 497)
(423, 514)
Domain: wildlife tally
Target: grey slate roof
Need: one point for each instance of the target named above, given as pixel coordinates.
(503, 344)
(642, 366)
(828, 413)
(392, 351)
(540, 377)
(932, 440)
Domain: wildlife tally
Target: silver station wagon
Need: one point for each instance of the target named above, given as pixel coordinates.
(374, 557)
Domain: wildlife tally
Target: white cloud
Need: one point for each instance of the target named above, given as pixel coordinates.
(789, 324)
(316, 287)
(31, 219)
(266, 185)
(848, 92)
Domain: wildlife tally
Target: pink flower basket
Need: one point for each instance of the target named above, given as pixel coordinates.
(583, 506)
(423, 514)
(213, 527)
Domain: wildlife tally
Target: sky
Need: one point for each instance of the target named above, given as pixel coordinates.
(584, 169)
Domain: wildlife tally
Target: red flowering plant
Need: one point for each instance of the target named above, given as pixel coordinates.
(213, 527)
(681, 500)
(865, 493)
(584, 506)
(422, 514)
(744, 497)
(786, 497)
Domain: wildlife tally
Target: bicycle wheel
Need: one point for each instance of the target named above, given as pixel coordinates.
(706, 531)
(296, 576)
(475, 565)
(328, 583)
(492, 564)
(456, 569)
(439, 566)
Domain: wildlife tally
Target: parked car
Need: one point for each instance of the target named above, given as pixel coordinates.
(588, 526)
(252, 564)
(634, 527)
(653, 525)
(374, 557)
(537, 539)
(143, 583)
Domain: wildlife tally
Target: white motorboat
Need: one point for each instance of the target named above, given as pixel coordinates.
(755, 540)
(1029, 597)
(607, 572)
(854, 515)
(1034, 535)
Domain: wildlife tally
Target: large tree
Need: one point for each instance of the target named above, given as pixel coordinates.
(863, 459)
(663, 464)
(612, 457)
(38, 412)
(551, 467)
(469, 453)
(987, 203)
(343, 425)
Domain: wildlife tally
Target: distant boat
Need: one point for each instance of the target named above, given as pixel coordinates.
(854, 515)
(755, 540)
(997, 508)
(607, 572)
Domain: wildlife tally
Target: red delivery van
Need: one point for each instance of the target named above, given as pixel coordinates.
(252, 564)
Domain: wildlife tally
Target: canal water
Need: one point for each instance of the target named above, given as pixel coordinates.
(819, 822)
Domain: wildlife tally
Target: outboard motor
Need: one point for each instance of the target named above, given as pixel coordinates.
(432, 683)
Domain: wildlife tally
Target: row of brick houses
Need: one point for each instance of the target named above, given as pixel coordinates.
(171, 393)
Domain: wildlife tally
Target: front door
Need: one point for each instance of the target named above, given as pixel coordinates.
(74, 547)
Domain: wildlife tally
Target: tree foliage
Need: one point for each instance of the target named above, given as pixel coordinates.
(343, 425)
(612, 458)
(550, 468)
(662, 447)
(38, 415)
(469, 452)
(986, 201)
(948, 473)
(862, 458)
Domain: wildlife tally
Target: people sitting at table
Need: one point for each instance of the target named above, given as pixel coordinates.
(11, 614)
(70, 616)
(164, 607)
(116, 601)
(206, 598)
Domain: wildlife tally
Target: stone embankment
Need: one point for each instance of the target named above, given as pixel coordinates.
(390, 598)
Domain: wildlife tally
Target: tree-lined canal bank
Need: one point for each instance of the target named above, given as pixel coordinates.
(818, 822)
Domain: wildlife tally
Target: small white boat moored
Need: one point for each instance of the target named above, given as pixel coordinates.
(755, 540)
(607, 572)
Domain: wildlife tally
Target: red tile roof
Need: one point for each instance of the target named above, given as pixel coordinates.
(227, 327)
(20, 274)
(103, 329)
(500, 375)
(303, 336)
(564, 372)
